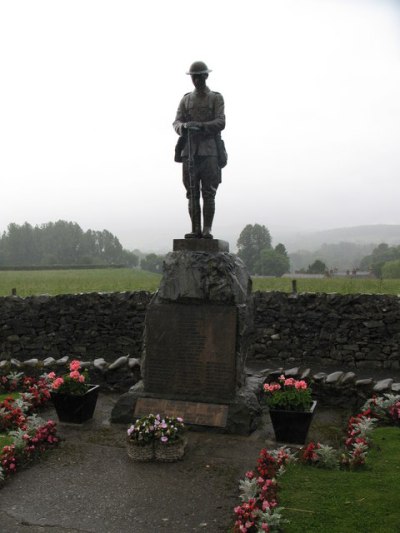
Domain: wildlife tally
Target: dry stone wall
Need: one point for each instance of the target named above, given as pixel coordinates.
(84, 326)
(359, 331)
(353, 331)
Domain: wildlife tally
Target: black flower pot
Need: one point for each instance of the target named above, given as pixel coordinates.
(75, 408)
(291, 426)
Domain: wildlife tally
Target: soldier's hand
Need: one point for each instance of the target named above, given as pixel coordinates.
(194, 126)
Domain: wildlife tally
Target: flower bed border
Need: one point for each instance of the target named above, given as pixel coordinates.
(259, 510)
(31, 436)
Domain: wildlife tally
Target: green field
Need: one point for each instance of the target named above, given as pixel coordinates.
(339, 285)
(33, 282)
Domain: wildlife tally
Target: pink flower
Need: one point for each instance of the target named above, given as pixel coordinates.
(264, 526)
(57, 383)
(81, 378)
(164, 439)
(75, 365)
(289, 382)
(281, 378)
(265, 505)
(250, 474)
(272, 387)
(74, 374)
(51, 375)
(300, 385)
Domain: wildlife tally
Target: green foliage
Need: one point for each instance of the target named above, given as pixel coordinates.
(380, 255)
(365, 501)
(328, 457)
(391, 270)
(61, 243)
(152, 263)
(272, 262)
(318, 267)
(252, 240)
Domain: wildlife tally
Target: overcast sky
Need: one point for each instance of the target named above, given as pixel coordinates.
(89, 90)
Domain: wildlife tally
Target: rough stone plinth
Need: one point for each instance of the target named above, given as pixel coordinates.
(197, 335)
(204, 277)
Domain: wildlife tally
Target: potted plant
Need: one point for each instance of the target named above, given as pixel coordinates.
(155, 437)
(140, 440)
(73, 397)
(169, 439)
(291, 408)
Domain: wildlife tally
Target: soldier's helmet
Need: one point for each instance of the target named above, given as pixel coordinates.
(198, 67)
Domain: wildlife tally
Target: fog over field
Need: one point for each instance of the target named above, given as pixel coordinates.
(90, 89)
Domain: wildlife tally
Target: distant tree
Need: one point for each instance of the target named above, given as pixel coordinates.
(252, 240)
(380, 255)
(152, 263)
(129, 258)
(281, 249)
(391, 269)
(272, 262)
(318, 267)
(61, 243)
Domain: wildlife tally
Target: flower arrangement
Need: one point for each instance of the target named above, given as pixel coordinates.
(154, 428)
(288, 394)
(73, 383)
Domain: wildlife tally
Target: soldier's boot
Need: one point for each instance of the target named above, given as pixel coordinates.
(208, 217)
(195, 215)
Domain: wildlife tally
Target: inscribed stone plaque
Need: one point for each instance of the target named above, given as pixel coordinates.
(202, 414)
(190, 351)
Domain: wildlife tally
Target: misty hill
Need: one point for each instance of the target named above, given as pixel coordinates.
(341, 248)
(363, 235)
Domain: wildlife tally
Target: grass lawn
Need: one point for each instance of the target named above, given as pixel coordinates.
(5, 440)
(363, 501)
(8, 394)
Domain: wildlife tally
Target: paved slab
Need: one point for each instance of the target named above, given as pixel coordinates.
(89, 484)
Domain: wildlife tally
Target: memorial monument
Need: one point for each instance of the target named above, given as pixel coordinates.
(198, 324)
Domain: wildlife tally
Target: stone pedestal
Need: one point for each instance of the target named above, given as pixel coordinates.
(197, 333)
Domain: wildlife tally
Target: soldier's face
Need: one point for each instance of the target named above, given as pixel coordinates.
(199, 80)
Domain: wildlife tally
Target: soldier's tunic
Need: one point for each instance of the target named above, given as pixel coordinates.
(207, 107)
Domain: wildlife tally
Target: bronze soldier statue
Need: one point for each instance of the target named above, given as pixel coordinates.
(199, 120)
